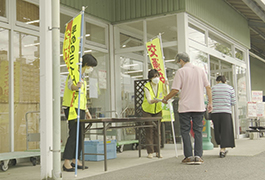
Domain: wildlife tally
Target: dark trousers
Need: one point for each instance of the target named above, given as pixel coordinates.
(223, 129)
(151, 133)
(185, 126)
(70, 147)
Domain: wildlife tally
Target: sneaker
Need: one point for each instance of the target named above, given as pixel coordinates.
(150, 155)
(198, 160)
(159, 156)
(188, 160)
(223, 154)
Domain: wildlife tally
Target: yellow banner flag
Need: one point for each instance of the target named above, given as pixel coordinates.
(156, 58)
(71, 56)
(157, 61)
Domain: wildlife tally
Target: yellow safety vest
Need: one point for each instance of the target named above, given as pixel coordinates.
(155, 107)
(70, 96)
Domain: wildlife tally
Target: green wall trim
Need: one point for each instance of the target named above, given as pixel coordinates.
(216, 13)
(221, 16)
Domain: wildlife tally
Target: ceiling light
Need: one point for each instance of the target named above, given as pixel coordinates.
(34, 44)
(32, 22)
(170, 60)
(79, 52)
(129, 65)
(64, 73)
(133, 71)
(137, 76)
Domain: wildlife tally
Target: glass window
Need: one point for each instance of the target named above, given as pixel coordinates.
(64, 19)
(165, 25)
(239, 54)
(131, 34)
(4, 91)
(171, 66)
(199, 58)
(131, 70)
(95, 33)
(219, 45)
(28, 13)
(129, 41)
(26, 74)
(196, 34)
(98, 97)
(3, 8)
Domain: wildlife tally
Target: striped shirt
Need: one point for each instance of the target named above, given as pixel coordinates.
(223, 98)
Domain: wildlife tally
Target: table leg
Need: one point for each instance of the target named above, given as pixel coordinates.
(140, 142)
(159, 136)
(82, 140)
(105, 146)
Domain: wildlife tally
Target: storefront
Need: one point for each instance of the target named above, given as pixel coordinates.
(121, 53)
(208, 48)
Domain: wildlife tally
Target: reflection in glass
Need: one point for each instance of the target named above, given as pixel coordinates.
(98, 106)
(28, 13)
(3, 8)
(199, 58)
(165, 25)
(95, 33)
(64, 19)
(131, 70)
(239, 54)
(26, 87)
(196, 34)
(129, 41)
(4, 91)
(242, 99)
(131, 34)
(219, 67)
(219, 45)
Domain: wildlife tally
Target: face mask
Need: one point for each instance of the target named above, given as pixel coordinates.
(179, 65)
(155, 80)
(87, 71)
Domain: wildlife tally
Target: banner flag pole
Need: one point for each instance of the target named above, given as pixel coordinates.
(79, 92)
(169, 103)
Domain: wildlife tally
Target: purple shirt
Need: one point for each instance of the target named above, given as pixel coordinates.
(191, 80)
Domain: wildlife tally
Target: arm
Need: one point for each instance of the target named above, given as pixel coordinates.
(172, 93)
(165, 87)
(210, 101)
(73, 87)
(88, 115)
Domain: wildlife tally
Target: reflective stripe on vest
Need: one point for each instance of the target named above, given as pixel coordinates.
(155, 107)
(70, 95)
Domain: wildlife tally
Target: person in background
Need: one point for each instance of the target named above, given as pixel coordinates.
(223, 100)
(88, 63)
(152, 107)
(192, 81)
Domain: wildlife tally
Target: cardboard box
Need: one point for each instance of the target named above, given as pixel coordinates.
(97, 147)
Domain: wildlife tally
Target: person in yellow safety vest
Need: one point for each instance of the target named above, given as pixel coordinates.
(71, 93)
(154, 91)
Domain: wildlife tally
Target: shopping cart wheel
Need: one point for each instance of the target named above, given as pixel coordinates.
(134, 146)
(4, 165)
(120, 148)
(33, 160)
(12, 162)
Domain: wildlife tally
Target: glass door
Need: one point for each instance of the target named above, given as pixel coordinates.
(219, 67)
(241, 81)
